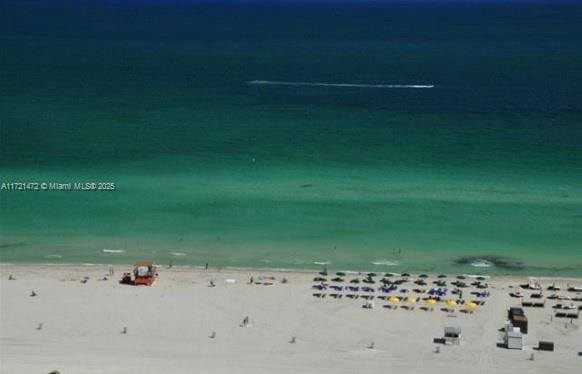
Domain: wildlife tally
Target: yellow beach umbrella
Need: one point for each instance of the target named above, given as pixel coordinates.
(451, 303)
(471, 305)
(411, 300)
(431, 302)
(394, 300)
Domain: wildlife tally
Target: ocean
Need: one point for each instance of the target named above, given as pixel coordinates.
(374, 135)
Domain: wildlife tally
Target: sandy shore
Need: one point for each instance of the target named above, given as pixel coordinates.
(169, 327)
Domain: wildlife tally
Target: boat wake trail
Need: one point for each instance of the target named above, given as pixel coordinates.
(349, 85)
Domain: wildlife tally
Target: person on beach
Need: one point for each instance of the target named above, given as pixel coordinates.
(252, 280)
(212, 283)
(32, 294)
(206, 267)
(245, 321)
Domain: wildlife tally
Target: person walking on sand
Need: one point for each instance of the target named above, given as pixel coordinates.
(245, 322)
(252, 280)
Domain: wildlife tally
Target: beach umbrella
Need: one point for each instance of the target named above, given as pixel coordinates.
(411, 300)
(340, 273)
(324, 273)
(471, 305)
(461, 277)
(338, 279)
(481, 278)
(394, 300)
(423, 276)
(371, 275)
(431, 302)
(355, 281)
(385, 281)
(405, 275)
(451, 303)
(388, 275)
(442, 276)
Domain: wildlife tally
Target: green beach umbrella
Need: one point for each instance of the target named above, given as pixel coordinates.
(481, 278)
(442, 276)
(324, 273)
(340, 273)
(355, 281)
(371, 275)
(388, 275)
(405, 275)
(385, 281)
(423, 276)
(461, 277)
(338, 279)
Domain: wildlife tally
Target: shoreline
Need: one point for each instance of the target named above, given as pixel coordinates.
(165, 267)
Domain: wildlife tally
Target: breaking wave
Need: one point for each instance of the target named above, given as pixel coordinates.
(112, 250)
(321, 262)
(386, 263)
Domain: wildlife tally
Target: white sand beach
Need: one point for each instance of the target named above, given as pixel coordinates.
(77, 327)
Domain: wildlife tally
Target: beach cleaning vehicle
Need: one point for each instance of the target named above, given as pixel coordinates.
(144, 273)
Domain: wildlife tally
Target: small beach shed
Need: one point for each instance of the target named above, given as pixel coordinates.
(513, 337)
(452, 335)
(518, 319)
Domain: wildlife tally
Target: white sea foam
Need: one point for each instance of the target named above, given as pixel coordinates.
(177, 254)
(112, 250)
(53, 256)
(321, 262)
(386, 263)
(88, 264)
(349, 85)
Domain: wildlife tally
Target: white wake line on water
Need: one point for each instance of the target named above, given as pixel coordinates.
(351, 85)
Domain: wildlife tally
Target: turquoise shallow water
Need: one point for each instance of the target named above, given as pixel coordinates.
(211, 169)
